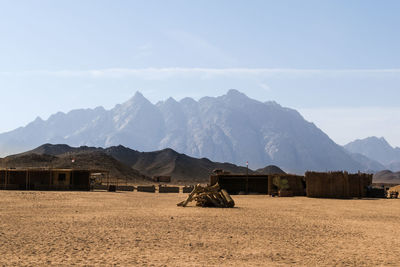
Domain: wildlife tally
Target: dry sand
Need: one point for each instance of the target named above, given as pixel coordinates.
(130, 228)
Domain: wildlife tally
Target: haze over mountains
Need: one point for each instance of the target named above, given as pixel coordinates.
(377, 149)
(230, 128)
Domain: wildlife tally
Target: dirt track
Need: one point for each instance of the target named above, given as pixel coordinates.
(100, 228)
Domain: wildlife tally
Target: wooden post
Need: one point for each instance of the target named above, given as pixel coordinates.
(346, 185)
(90, 185)
(247, 177)
(71, 180)
(270, 177)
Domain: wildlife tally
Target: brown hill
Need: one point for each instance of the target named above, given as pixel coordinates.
(56, 150)
(270, 169)
(27, 160)
(387, 177)
(182, 168)
(83, 160)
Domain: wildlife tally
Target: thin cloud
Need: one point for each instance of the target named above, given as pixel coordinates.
(161, 73)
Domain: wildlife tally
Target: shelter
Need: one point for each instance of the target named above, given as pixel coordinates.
(46, 179)
(162, 179)
(168, 189)
(146, 188)
(259, 183)
(337, 184)
(241, 183)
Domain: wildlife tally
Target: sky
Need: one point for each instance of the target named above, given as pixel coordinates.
(336, 62)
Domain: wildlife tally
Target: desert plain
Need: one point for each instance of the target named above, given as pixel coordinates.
(144, 229)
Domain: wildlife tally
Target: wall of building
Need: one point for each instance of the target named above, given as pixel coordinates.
(37, 179)
(238, 183)
(337, 184)
(61, 178)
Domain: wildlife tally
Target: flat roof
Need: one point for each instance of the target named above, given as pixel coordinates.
(258, 175)
(53, 169)
(239, 175)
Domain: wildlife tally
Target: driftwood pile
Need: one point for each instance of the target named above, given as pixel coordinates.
(209, 196)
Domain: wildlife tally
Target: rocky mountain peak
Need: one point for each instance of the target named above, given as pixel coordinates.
(137, 99)
(171, 101)
(38, 120)
(234, 93)
(230, 128)
(235, 97)
(376, 148)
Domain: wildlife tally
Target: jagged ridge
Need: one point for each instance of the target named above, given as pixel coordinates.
(230, 128)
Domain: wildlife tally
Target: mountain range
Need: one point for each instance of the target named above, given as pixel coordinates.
(378, 150)
(230, 128)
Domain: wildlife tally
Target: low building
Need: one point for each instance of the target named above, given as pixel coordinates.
(242, 183)
(259, 183)
(46, 179)
(168, 189)
(337, 184)
(162, 179)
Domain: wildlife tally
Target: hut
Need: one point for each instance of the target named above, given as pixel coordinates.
(46, 179)
(241, 183)
(146, 188)
(162, 179)
(259, 183)
(337, 184)
(168, 189)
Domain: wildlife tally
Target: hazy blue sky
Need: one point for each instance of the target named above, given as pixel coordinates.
(337, 62)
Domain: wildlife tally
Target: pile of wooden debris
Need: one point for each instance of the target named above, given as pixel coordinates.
(209, 196)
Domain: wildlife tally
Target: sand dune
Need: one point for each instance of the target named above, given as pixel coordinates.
(101, 228)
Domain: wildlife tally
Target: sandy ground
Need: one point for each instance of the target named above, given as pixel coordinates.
(130, 228)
